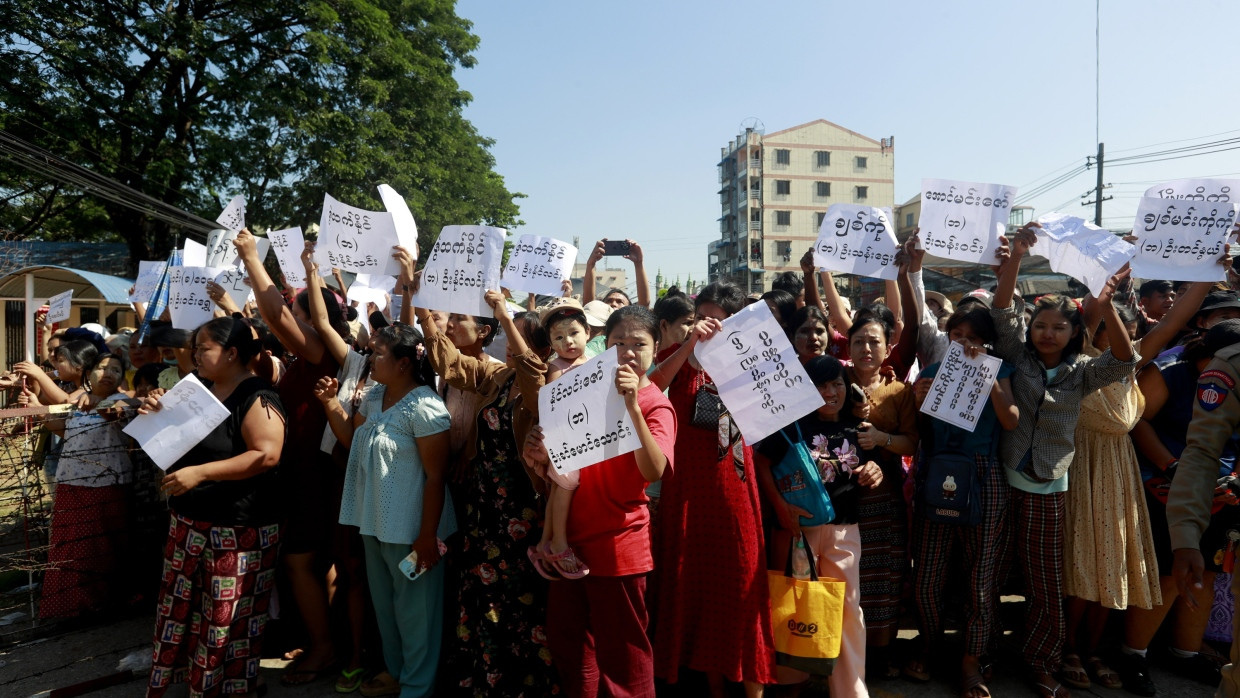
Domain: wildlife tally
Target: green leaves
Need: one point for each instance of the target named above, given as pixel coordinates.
(195, 101)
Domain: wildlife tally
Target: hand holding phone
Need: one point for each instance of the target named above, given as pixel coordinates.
(616, 248)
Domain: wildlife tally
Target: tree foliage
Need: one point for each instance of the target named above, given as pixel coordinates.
(193, 101)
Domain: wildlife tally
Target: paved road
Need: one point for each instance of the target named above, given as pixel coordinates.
(34, 667)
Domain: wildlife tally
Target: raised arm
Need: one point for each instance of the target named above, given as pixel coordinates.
(702, 330)
(296, 336)
(835, 305)
(639, 273)
(326, 390)
(1121, 344)
(331, 339)
(812, 296)
(406, 283)
(587, 279)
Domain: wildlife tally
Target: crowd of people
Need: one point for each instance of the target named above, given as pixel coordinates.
(388, 476)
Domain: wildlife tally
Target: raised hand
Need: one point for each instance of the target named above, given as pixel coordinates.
(246, 244)
(635, 252)
(407, 265)
(497, 302)
(307, 258)
(326, 388)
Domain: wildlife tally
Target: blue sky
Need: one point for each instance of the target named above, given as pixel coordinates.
(610, 116)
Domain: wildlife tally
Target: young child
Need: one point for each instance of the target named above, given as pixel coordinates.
(596, 627)
(569, 331)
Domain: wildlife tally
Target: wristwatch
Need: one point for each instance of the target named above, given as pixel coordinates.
(888, 444)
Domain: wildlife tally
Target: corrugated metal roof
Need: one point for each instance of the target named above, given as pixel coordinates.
(50, 280)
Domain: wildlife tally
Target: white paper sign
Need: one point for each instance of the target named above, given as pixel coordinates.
(961, 388)
(233, 279)
(857, 240)
(462, 266)
(233, 216)
(188, 301)
(1082, 250)
(539, 265)
(583, 416)
(402, 220)
(1209, 191)
(149, 274)
(1181, 240)
(760, 380)
(288, 244)
(59, 306)
(193, 254)
(367, 288)
(187, 414)
(221, 252)
(964, 220)
(356, 240)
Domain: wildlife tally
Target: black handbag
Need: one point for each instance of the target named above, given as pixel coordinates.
(707, 407)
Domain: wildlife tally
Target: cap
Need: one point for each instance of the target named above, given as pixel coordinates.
(980, 295)
(558, 306)
(1218, 300)
(941, 299)
(97, 329)
(597, 313)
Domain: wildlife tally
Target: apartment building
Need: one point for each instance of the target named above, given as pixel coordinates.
(774, 190)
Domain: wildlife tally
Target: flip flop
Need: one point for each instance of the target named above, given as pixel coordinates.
(539, 561)
(295, 675)
(1072, 672)
(350, 680)
(1102, 674)
(565, 562)
(383, 684)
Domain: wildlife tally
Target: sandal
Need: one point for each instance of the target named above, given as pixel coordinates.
(1102, 674)
(538, 559)
(916, 670)
(296, 675)
(567, 563)
(1072, 672)
(349, 680)
(1054, 691)
(383, 684)
(974, 686)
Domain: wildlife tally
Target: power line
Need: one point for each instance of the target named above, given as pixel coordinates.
(1181, 140)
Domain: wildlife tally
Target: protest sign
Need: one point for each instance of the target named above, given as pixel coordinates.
(539, 265)
(235, 283)
(59, 306)
(1181, 240)
(221, 252)
(1080, 249)
(462, 266)
(1209, 191)
(583, 416)
(288, 244)
(356, 240)
(193, 255)
(371, 288)
(961, 387)
(750, 360)
(857, 240)
(149, 274)
(963, 220)
(233, 216)
(187, 414)
(188, 301)
(402, 221)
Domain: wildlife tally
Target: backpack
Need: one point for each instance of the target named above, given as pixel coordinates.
(951, 490)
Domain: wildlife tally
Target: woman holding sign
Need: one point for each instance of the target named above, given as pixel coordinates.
(1050, 378)
(709, 547)
(224, 533)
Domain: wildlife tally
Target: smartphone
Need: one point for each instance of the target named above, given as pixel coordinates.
(616, 248)
(410, 567)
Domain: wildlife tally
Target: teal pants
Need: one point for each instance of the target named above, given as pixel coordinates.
(410, 616)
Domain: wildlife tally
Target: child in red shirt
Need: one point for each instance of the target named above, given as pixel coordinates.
(596, 626)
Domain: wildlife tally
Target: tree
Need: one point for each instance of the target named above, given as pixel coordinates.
(193, 101)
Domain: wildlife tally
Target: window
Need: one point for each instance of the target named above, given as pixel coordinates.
(861, 193)
(783, 218)
(783, 187)
(823, 189)
(783, 157)
(821, 216)
(908, 220)
(822, 158)
(860, 163)
(783, 248)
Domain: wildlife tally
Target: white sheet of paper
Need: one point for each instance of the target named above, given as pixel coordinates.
(963, 220)
(60, 306)
(222, 253)
(233, 279)
(961, 388)
(187, 414)
(149, 274)
(583, 416)
(1081, 249)
(371, 288)
(462, 266)
(288, 244)
(540, 265)
(760, 380)
(193, 254)
(188, 301)
(233, 215)
(856, 239)
(356, 240)
(1209, 191)
(1181, 240)
(402, 220)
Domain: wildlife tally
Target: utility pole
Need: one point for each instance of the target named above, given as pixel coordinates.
(1098, 197)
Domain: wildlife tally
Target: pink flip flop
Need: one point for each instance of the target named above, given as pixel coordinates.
(564, 559)
(541, 566)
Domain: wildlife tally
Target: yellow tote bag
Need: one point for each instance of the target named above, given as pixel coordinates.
(807, 616)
